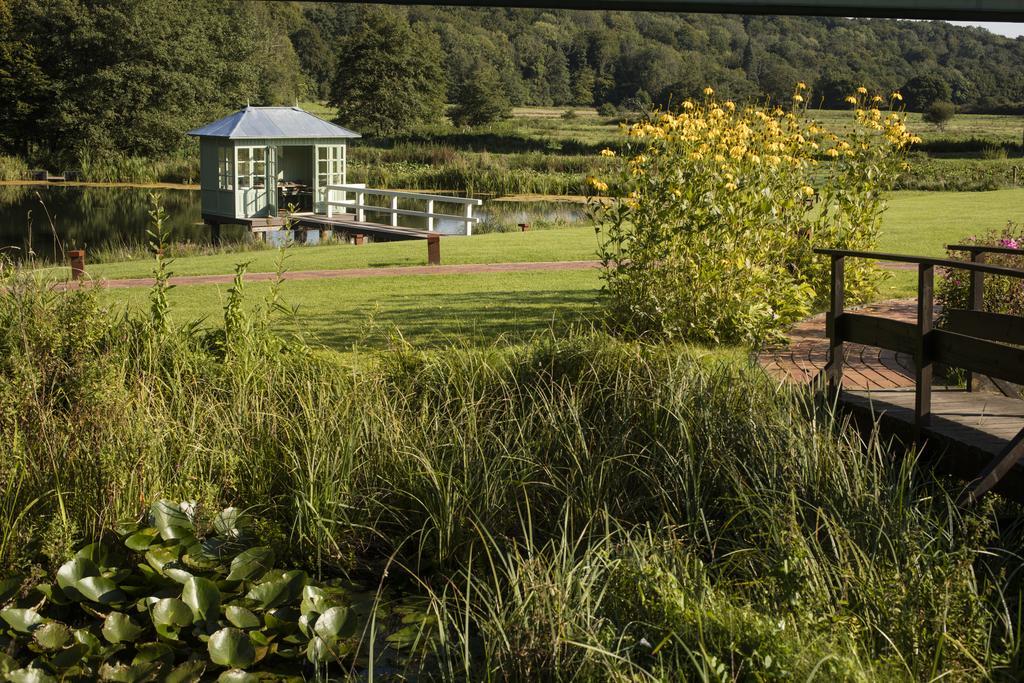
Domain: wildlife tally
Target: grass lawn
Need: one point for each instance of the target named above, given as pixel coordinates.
(427, 310)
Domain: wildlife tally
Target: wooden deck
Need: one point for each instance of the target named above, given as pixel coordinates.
(343, 223)
(973, 434)
(964, 433)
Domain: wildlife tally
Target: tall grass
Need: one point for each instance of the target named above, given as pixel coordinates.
(13, 168)
(574, 508)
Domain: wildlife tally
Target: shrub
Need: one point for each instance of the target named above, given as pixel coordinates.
(607, 109)
(569, 114)
(1002, 294)
(939, 113)
(13, 168)
(717, 210)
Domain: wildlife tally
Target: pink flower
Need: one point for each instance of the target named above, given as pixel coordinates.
(1011, 243)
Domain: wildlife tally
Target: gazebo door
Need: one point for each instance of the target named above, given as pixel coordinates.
(271, 181)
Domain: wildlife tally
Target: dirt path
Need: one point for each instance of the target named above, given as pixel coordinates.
(391, 271)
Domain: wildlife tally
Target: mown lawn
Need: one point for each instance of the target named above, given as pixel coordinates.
(425, 311)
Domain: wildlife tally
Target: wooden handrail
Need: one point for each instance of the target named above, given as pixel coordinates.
(985, 249)
(926, 261)
(930, 345)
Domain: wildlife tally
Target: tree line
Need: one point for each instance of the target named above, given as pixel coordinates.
(94, 77)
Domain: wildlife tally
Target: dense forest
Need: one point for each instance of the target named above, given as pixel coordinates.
(81, 78)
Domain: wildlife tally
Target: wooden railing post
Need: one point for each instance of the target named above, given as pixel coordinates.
(834, 367)
(922, 357)
(977, 303)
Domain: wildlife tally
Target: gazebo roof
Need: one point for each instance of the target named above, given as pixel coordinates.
(272, 122)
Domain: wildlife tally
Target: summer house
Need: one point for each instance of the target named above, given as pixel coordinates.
(262, 159)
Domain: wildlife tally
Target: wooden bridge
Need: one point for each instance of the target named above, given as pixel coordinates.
(976, 435)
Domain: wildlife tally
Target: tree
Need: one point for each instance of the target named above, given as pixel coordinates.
(388, 77)
(939, 113)
(920, 92)
(480, 98)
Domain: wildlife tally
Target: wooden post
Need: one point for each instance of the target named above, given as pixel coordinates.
(834, 367)
(469, 219)
(434, 249)
(324, 235)
(394, 211)
(922, 357)
(430, 215)
(358, 238)
(77, 258)
(977, 303)
(215, 234)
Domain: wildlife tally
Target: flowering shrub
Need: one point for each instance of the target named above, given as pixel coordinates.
(1002, 294)
(717, 208)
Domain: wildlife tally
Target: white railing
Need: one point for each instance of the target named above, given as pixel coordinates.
(361, 208)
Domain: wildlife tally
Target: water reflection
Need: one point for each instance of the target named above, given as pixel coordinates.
(54, 219)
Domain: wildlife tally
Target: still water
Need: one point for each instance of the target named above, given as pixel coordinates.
(50, 220)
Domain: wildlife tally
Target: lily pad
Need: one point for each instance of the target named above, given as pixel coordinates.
(31, 675)
(9, 588)
(22, 620)
(170, 521)
(52, 636)
(172, 612)
(277, 592)
(232, 648)
(202, 596)
(100, 589)
(141, 540)
(252, 563)
(337, 622)
(119, 628)
(188, 672)
(241, 617)
(73, 571)
(237, 676)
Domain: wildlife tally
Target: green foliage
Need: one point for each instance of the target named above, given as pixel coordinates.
(179, 602)
(480, 98)
(1002, 294)
(921, 92)
(939, 113)
(711, 231)
(13, 168)
(389, 75)
(159, 310)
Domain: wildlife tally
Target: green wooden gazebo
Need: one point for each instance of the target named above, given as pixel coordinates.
(248, 159)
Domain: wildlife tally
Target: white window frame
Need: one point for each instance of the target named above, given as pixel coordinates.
(251, 167)
(225, 168)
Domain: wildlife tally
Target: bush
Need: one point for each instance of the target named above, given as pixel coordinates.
(711, 231)
(939, 113)
(1002, 294)
(13, 168)
(607, 109)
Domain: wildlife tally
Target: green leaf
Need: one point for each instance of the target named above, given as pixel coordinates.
(252, 563)
(69, 656)
(101, 589)
(98, 553)
(22, 620)
(141, 540)
(52, 636)
(232, 648)
(119, 628)
(54, 595)
(30, 676)
(9, 588)
(170, 521)
(177, 574)
(189, 672)
(231, 522)
(337, 622)
(241, 617)
(127, 673)
(88, 639)
(202, 596)
(172, 612)
(153, 652)
(7, 663)
(160, 556)
(278, 592)
(237, 676)
(314, 600)
(73, 571)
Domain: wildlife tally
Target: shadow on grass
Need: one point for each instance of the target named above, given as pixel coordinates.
(437, 320)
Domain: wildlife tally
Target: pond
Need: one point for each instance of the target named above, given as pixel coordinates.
(49, 220)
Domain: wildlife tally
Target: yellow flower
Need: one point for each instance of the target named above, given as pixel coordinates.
(798, 98)
(876, 98)
(801, 86)
(898, 97)
(607, 152)
(731, 187)
(851, 100)
(807, 191)
(687, 104)
(709, 91)
(597, 184)
(862, 90)
(731, 106)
